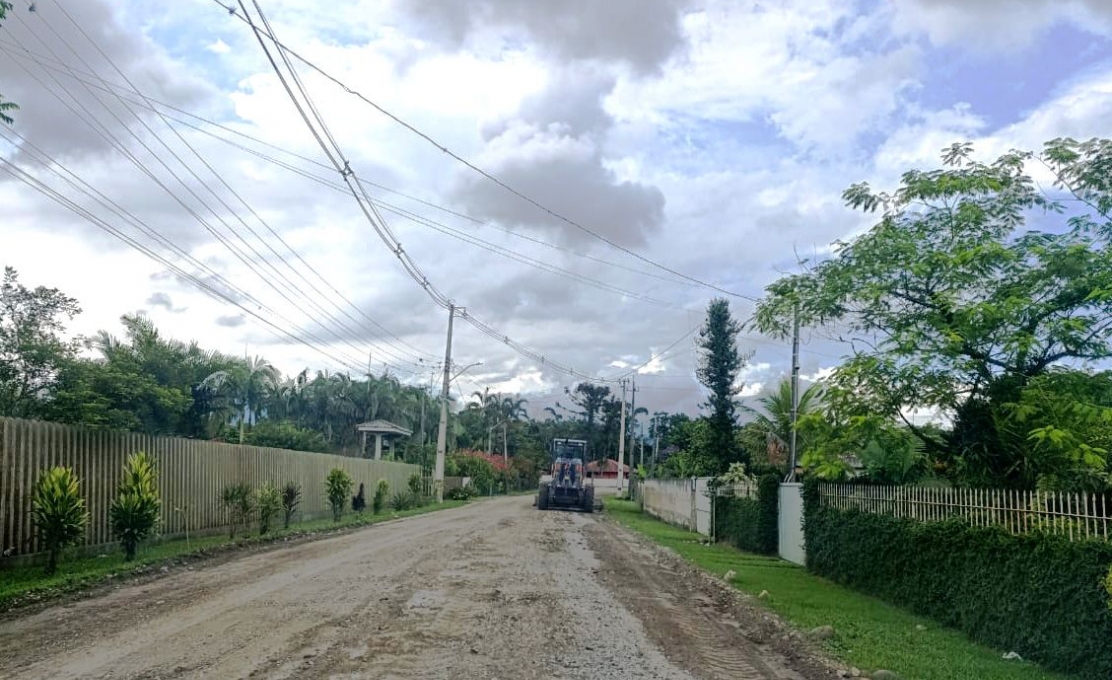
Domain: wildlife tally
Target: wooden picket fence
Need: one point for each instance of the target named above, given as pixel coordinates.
(191, 475)
(1077, 516)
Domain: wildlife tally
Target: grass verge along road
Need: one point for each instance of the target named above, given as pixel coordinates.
(28, 584)
(868, 633)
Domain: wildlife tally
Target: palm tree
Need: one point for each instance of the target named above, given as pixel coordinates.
(246, 386)
(774, 419)
(513, 409)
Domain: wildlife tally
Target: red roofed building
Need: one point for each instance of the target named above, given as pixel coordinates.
(607, 469)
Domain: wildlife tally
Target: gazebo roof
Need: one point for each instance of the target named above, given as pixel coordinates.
(382, 427)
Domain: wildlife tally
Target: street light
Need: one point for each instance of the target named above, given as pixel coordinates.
(465, 368)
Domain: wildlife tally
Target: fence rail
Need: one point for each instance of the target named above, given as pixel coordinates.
(191, 474)
(1076, 516)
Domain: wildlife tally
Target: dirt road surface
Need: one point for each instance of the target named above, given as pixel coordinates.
(495, 589)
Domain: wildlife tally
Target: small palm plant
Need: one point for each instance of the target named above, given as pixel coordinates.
(238, 500)
(338, 487)
(58, 511)
(382, 495)
(135, 511)
(291, 498)
(268, 501)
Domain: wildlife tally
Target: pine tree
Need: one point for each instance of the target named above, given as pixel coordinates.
(719, 366)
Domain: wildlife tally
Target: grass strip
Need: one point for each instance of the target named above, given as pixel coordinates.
(869, 634)
(27, 584)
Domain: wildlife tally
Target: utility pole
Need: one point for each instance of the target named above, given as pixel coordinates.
(656, 440)
(505, 446)
(633, 415)
(622, 442)
(795, 388)
(442, 433)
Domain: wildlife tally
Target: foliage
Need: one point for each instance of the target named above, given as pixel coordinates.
(6, 106)
(238, 499)
(461, 493)
(58, 511)
(31, 344)
(480, 470)
(996, 587)
(751, 524)
(771, 426)
(382, 493)
(955, 301)
(414, 484)
(403, 500)
(718, 370)
(291, 499)
(268, 504)
(359, 500)
(337, 487)
(283, 434)
(135, 511)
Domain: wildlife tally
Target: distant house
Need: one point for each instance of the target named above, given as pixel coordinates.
(607, 469)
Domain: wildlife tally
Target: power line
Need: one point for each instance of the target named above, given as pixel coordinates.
(283, 49)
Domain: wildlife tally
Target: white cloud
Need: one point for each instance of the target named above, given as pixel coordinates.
(998, 25)
(218, 47)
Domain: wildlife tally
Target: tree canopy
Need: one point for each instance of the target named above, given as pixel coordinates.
(974, 285)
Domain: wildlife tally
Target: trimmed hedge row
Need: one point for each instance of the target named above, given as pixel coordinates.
(751, 524)
(1039, 595)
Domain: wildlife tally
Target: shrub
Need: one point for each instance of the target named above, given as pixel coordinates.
(58, 511)
(415, 484)
(382, 492)
(286, 435)
(1038, 594)
(337, 487)
(403, 500)
(238, 501)
(291, 498)
(135, 511)
(751, 524)
(461, 493)
(359, 500)
(268, 502)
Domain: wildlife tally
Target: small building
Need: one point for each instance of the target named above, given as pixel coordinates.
(380, 430)
(607, 469)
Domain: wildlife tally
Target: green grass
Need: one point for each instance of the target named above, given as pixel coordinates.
(869, 633)
(25, 584)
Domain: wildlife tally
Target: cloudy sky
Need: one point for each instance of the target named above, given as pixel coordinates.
(710, 137)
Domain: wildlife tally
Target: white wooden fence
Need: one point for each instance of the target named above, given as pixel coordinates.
(191, 474)
(1076, 516)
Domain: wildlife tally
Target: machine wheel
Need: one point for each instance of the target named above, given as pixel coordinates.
(542, 497)
(589, 499)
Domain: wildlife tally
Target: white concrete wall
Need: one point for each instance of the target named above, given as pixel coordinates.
(791, 523)
(703, 516)
(670, 500)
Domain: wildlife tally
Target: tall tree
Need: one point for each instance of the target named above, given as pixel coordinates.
(6, 106)
(956, 299)
(719, 367)
(246, 386)
(772, 418)
(32, 349)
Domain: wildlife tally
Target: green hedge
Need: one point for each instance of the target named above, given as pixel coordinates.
(751, 524)
(1039, 595)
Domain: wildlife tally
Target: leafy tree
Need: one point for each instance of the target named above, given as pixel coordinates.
(337, 487)
(58, 511)
(31, 346)
(591, 400)
(718, 370)
(382, 492)
(286, 435)
(136, 509)
(972, 284)
(6, 106)
(268, 503)
(291, 499)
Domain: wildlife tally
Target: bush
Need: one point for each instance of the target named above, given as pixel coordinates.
(359, 500)
(268, 502)
(751, 524)
(58, 511)
(291, 498)
(337, 487)
(135, 511)
(382, 492)
(1037, 594)
(238, 500)
(461, 493)
(415, 484)
(286, 435)
(403, 500)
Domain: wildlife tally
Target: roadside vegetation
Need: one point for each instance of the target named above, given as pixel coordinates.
(869, 634)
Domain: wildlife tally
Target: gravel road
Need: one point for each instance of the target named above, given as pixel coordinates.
(495, 589)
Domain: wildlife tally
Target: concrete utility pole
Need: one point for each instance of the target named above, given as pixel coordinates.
(633, 415)
(656, 440)
(622, 442)
(505, 446)
(442, 433)
(795, 389)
